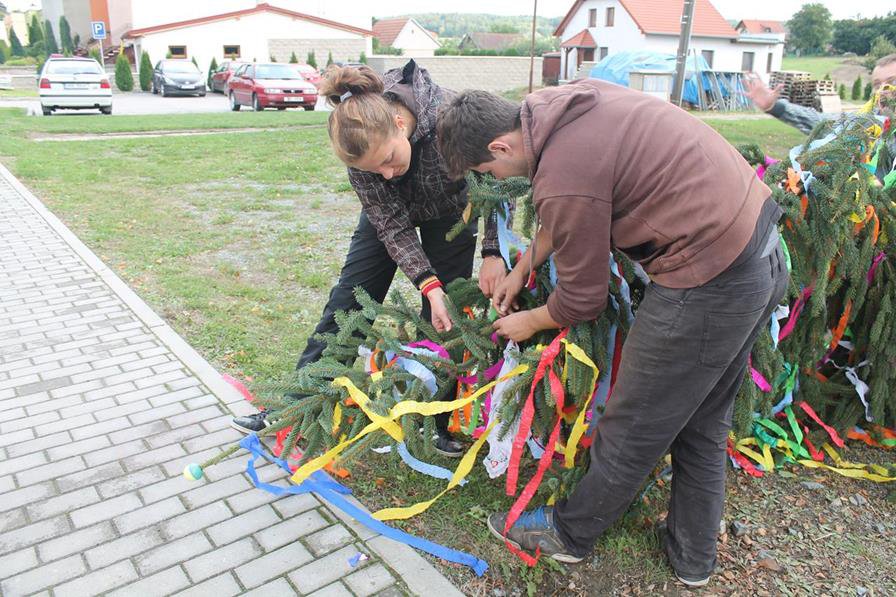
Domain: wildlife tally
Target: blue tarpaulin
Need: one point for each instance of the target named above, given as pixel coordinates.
(616, 68)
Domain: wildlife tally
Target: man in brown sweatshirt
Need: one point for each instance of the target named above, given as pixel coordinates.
(612, 167)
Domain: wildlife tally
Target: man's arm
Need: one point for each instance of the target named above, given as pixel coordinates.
(769, 101)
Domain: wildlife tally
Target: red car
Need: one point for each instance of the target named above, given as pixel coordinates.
(270, 85)
(311, 74)
(222, 75)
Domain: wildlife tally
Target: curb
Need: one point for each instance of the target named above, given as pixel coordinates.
(416, 572)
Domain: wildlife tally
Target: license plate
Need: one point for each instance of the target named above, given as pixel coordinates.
(77, 86)
(187, 86)
(292, 99)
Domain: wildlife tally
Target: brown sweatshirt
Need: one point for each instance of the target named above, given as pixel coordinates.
(614, 166)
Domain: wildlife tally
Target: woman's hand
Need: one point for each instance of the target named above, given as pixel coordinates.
(759, 93)
(504, 295)
(491, 274)
(516, 326)
(440, 318)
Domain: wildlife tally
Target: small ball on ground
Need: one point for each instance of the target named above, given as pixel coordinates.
(193, 471)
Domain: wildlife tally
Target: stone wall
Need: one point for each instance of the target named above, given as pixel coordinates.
(491, 73)
(344, 50)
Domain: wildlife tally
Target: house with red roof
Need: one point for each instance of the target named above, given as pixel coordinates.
(407, 35)
(594, 29)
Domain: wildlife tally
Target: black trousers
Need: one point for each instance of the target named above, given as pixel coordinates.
(681, 367)
(369, 266)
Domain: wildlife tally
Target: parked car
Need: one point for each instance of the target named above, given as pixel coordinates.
(177, 76)
(311, 74)
(223, 74)
(270, 85)
(78, 83)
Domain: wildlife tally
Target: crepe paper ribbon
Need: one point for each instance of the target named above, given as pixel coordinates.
(463, 469)
(547, 358)
(835, 437)
(841, 325)
(789, 378)
(357, 559)
(433, 346)
(333, 492)
(795, 312)
(888, 441)
(240, 387)
(758, 378)
(507, 240)
(878, 474)
(396, 412)
(532, 486)
(817, 455)
(431, 470)
(489, 374)
(740, 461)
(782, 434)
(780, 312)
(580, 426)
(760, 168)
(874, 264)
(870, 215)
(765, 459)
(860, 386)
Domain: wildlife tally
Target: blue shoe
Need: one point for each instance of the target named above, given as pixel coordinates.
(534, 530)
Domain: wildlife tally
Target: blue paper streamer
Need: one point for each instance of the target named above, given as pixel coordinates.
(424, 467)
(333, 492)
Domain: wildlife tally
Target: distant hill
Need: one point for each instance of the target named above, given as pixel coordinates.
(457, 24)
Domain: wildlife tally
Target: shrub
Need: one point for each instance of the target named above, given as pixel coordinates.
(145, 71)
(124, 79)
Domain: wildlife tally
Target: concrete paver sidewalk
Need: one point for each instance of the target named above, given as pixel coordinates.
(101, 407)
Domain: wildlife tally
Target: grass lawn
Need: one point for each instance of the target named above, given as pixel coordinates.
(235, 240)
(11, 93)
(817, 66)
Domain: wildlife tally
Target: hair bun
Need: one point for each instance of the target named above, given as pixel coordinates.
(339, 80)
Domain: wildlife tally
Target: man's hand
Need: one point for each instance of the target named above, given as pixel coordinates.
(759, 93)
(504, 296)
(517, 326)
(491, 274)
(440, 318)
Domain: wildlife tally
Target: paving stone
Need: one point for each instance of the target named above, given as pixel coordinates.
(325, 541)
(150, 457)
(76, 542)
(370, 580)
(63, 503)
(275, 588)
(162, 583)
(337, 589)
(131, 482)
(290, 530)
(97, 583)
(105, 510)
(296, 504)
(223, 558)
(193, 521)
(46, 576)
(50, 471)
(274, 564)
(12, 519)
(211, 492)
(147, 431)
(171, 553)
(323, 571)
(124, 547)
(33, 533)
(220, 586)
(17, 562)
(148, 515)
(91, 476)
(173, 436)
(27, 495)
(243, 525)
(76, 448)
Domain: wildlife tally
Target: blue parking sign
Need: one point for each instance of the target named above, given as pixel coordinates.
(98, 29)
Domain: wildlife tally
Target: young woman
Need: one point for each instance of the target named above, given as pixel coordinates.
(383, 129)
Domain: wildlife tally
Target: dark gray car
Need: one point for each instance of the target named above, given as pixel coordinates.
(177, 77)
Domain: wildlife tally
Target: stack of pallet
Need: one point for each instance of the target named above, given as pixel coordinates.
(809, 93)
(788, 78)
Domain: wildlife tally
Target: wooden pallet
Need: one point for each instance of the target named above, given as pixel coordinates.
(789, 79)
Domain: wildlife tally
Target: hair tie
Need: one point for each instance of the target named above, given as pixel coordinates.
(345, 96)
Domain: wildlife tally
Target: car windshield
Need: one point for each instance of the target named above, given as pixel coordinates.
(180, 67)
(277, 71)
(73, 67)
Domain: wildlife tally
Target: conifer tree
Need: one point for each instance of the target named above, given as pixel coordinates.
(65, 35)
(15, 46)
(124, 78)
(145, 71)
(50, 39)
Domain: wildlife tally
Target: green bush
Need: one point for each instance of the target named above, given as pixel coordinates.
(868, 91)
(330, 59)
(145, 71)
(15, 46)
(841, 91)
(4, 51)
(39, 64)
(311, 60)
(362, 58)
(124, 79)
(65, 35)
(21, 61)
(857, 89)
(212, 67)
(50, 38)
(96, 55)
(293, 59)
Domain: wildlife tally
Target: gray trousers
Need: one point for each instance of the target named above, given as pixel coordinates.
(682, 364)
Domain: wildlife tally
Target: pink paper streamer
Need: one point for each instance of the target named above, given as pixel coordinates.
(880, 257)
(759, 379)
(429, 344)
(795, 313)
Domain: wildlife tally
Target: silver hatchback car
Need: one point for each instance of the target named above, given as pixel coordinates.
(74, 83)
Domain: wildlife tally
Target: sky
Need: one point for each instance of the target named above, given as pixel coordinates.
(780, 10)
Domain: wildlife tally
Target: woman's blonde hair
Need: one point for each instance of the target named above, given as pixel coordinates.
(360, 112)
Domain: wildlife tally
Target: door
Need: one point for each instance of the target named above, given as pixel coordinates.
(237, 84)
(746, 63)
(589, 54)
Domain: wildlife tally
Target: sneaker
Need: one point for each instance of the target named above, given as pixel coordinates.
(692, 581)
(662, 529)
(255, 423)
(446, 445)
(533, 530)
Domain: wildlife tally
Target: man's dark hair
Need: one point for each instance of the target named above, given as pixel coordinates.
(468, 123)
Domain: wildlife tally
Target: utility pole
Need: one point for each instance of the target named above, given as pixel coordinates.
(687, 18)
(532, 47)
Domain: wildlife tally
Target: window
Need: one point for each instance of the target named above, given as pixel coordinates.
(592, 17)
(603, 52)
(589, 55)
(611, 16)
(708, 56)
(231, 51)
(746, 63)
(768, 63)
(177, 51)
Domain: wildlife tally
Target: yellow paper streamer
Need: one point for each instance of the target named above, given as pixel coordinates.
(361, 399)
(463, 469)
(337, 417)
(580, 426)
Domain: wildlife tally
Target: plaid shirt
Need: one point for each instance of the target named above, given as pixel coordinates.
(426, 192)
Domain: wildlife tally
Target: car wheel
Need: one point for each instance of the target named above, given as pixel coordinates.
(165, 91)
(281, 108)
(202, 94)
(309, 108)
(233, 103)
(47, 111)
(107, 110)
(155, 90)
(256, 105)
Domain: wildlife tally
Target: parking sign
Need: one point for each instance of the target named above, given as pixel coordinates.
(99, 29)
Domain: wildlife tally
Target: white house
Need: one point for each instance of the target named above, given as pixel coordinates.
(407, 35)
(253, 34)
(593, 29)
